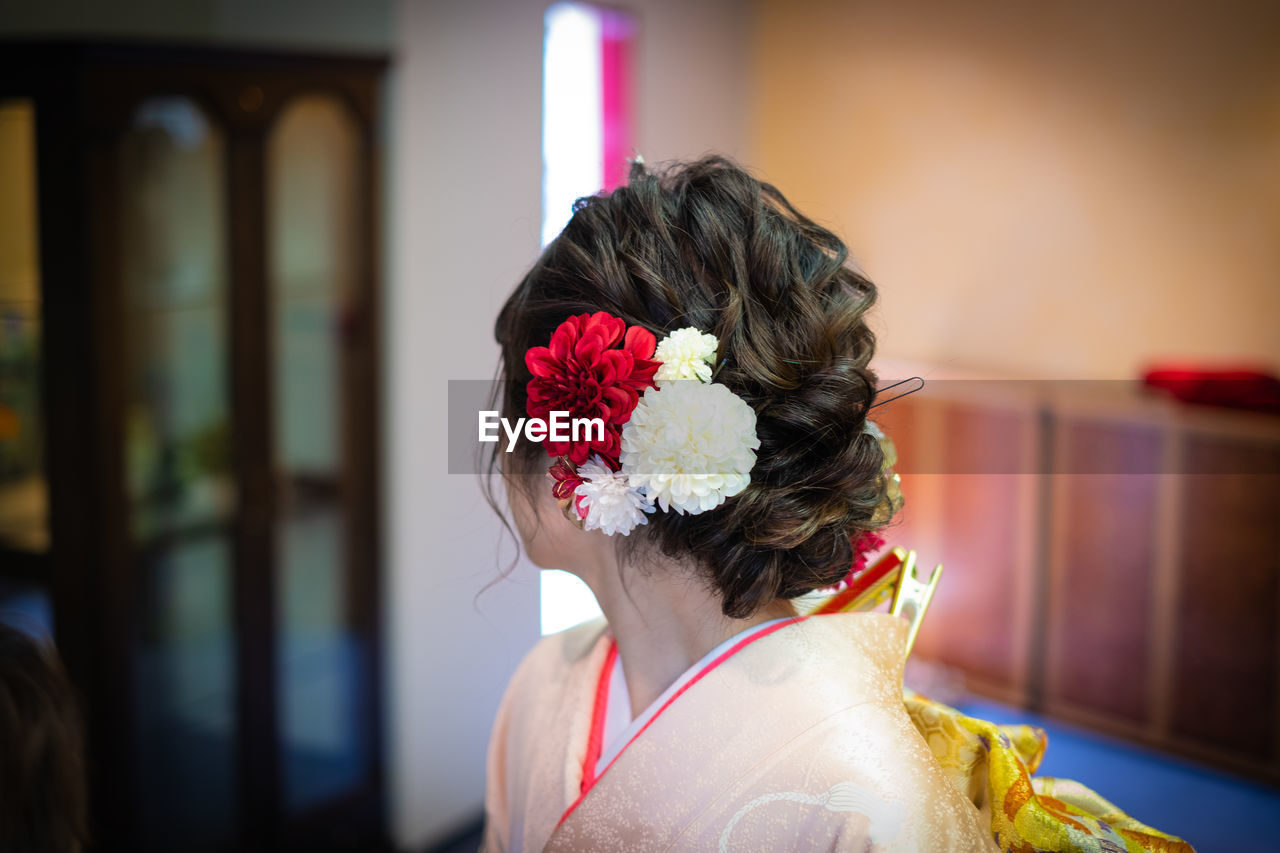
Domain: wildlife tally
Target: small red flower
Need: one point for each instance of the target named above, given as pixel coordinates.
(566, 478)
(567, 482)
(864, 544)
(595, 367)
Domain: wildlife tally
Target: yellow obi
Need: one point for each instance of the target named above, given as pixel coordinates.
(992, 766)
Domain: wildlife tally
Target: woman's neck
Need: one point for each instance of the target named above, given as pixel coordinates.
(664, 621)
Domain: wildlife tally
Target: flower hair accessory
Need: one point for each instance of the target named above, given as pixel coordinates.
(595, 367)
(673, 438)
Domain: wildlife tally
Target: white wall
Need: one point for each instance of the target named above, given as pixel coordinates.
(1039, 189)
(464, 220)
(692, 78)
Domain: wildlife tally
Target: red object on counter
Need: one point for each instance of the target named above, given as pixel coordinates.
(1243, 388)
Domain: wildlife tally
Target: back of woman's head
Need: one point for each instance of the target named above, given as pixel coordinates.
(42, 786)
(707, 245)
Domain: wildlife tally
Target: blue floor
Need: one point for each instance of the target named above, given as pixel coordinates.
(1212, 810)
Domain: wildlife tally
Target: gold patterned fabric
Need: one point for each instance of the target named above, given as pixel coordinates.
(992, 765)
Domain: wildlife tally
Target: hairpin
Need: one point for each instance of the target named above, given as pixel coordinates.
(899, 396)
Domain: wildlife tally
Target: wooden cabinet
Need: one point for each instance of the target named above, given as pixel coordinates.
(970, 503)
(1225, 653)
(1112, 557)
(207, 244)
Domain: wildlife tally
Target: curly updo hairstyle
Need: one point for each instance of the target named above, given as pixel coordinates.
(705, 244)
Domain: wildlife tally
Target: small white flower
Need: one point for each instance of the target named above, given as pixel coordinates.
(690, 445)
(686, 354)
(612, 504)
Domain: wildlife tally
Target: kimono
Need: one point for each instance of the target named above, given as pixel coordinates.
(795, 735)
(796, 738)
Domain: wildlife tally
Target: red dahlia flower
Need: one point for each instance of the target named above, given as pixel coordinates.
(595, 367)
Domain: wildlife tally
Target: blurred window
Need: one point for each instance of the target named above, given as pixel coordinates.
(586, 107)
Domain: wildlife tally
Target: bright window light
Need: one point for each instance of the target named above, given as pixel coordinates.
(572, 114)
(586, 107)
(566, 601)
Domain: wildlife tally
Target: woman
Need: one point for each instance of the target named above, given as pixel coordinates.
(717, 340)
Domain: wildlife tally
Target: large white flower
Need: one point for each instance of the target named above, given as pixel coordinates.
(690, 445)
(686, 354)
(611, 503)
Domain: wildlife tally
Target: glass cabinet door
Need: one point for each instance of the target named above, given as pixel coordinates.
(312, 172)
(23, 503)
(173, 213)
(188, 431)
(24, 522)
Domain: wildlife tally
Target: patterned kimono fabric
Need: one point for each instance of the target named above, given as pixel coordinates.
(796, 739)
(993, 764)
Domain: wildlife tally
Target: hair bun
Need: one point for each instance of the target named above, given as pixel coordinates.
(705, 244)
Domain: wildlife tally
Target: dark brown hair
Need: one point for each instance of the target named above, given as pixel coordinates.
(705, 244)
(42, 785)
